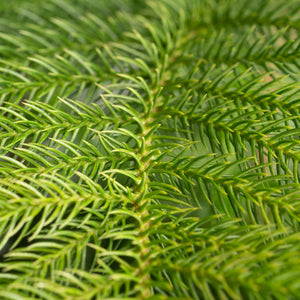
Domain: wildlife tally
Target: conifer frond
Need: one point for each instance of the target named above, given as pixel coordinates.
(149, 149)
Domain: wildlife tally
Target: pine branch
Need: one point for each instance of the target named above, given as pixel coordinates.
(149, 150)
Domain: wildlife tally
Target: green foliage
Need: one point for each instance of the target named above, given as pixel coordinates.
(149, 149)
